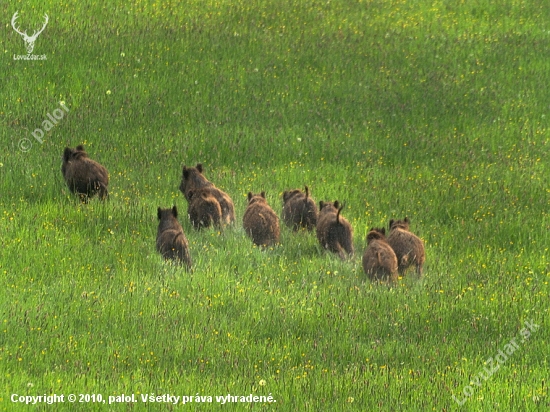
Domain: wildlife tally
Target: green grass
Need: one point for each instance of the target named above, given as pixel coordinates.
(434, 110)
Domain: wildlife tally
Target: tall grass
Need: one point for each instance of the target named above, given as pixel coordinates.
(433, 110)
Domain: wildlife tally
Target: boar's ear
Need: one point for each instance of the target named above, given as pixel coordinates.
(199, 167)
(80, 147)
(285, 195)
(406, 220)
(336, 204)
(159, 213)
(185, 172)
(307, 192)
(321, 204)
(382, 230)
(67, 154)
(175, 211)
(262, 194)
(391, 223)
(249, 196)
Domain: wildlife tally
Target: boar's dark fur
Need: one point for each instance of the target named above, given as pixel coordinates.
(204, 209)
(334, 232)
(379, 260)
(299, 210)
(193, 179)
(260, 222)
(171, 241)
(84, 177)
(408, 247)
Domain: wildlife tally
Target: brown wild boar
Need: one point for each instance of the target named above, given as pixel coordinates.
(171, 241)
(192, 179)
(334, 232)
(379, 260)
(84, 177)
(204, 209)
(260, 222)
(299, 210)
(408, 247)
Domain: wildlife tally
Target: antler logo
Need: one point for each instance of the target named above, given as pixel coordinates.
(29, 40)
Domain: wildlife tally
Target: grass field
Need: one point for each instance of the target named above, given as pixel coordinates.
(435, 110)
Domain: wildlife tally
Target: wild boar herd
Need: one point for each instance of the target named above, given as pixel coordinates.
(384, 258)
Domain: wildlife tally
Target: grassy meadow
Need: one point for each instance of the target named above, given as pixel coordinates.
(435, 110)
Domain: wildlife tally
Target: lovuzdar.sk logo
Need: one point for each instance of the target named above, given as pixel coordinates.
(29, 40)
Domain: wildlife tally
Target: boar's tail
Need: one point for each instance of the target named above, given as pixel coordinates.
(338, 214)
